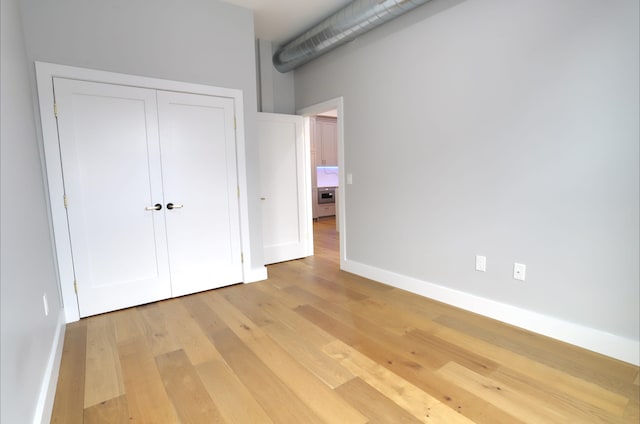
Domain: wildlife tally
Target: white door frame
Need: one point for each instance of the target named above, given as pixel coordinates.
(337, 104)
(45, 72)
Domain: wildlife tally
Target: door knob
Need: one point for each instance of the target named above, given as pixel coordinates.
(155, 207)
(172, 206)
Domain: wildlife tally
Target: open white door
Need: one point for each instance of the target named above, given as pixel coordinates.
(287, 230)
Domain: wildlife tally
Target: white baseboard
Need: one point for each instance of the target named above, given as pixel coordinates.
(256, 274)
(595, 340)
(44, 407)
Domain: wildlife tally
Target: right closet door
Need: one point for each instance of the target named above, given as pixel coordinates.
(197, 142)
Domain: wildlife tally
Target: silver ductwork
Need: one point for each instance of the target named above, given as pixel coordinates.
(343, 26)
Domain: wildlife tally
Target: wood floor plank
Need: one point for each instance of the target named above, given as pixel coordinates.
(454, 396)
(253, 303)
(396, 321)
(330, 291)
(276, 398)
(112, 411)
(421, 349)
(188, 394)
(128, 324)
(571, 386)
(285, 326)
(309, 355)
(203, 315)
(68, 407)
(406, 395)
(161, 340)
(233, 399)
(504, 397)
(273, 289)
(448, 351)
(574, 409)
(146, 396)
(571, 359)
(183, 328)
(316, 395)
(304, 297)
(377, 407)
(103, 378)
(632, 413)
(272, 311)
(428, 309)
(360, 284)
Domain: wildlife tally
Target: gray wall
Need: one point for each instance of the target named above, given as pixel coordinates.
(27, 268)
(276, 89)
(284, 90)
(502, 128)
(197, 41)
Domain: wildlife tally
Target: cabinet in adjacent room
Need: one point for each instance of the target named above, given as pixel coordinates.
(326, 141)
(326, 209)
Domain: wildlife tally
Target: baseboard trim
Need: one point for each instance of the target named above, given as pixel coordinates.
(44, 407)
(617, 347)
(256, 274)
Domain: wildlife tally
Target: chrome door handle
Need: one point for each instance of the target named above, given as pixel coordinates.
(155, 207)
(172, 206)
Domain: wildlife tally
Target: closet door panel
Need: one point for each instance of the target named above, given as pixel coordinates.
(197, 138)
(110, 159)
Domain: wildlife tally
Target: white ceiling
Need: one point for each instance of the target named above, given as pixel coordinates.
(281, 20)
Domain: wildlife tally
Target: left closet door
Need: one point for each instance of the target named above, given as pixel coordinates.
(110, 154)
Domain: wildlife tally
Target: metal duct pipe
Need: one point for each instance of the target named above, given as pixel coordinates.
(345, 25)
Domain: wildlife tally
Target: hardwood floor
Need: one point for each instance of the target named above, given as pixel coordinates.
(313, 344)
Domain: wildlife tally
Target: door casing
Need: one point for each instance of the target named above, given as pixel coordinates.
(337, 104)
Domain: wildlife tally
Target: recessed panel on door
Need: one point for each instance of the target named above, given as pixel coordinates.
(197, 138)
(111, 164)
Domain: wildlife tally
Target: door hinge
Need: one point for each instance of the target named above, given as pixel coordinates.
(238, 187)
(75, 286)
(66, 203)
(242, 258)
(235, 125)
(55, 110)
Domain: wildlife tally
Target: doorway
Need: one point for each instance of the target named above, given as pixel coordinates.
(325, 112)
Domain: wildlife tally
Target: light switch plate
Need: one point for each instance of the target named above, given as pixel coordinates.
(519, 271)
(481, 263)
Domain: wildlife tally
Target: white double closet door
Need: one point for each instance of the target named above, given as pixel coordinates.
(150, 180)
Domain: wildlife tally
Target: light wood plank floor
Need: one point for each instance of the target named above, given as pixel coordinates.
(316, 345)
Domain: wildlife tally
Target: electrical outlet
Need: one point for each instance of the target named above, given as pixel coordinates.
(519, 271)
(481, 263)
(45, 304)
